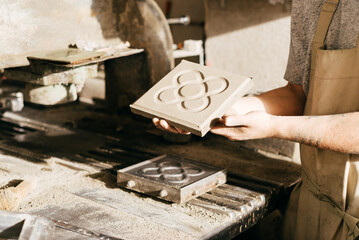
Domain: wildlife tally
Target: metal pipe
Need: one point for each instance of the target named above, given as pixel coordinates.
(184, 20)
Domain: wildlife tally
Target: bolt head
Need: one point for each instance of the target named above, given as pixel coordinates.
(163, 193)
(131, 184)
(195, 193)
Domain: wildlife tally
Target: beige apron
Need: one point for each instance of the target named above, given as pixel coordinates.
(325, 205)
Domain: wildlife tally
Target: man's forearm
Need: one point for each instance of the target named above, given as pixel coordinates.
(284, 101)
(338, 132)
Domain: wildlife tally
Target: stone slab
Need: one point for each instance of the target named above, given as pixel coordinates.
(69, 55)
(47, 74)
(51, 94)
(192, 97)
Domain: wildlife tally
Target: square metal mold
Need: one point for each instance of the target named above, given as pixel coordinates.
(192, 97)
(171, 178)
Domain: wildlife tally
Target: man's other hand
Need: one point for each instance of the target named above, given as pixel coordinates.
(252, 125)
(163, 125)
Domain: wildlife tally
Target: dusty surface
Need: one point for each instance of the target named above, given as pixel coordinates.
(8, 200)
(56, 197)
(79, 192)
(143, 136)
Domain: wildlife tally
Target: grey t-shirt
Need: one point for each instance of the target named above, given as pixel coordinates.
(343, 34)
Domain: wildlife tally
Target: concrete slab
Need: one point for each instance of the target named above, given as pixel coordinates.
(192, 97)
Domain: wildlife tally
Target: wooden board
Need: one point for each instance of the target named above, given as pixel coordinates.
(192, 97)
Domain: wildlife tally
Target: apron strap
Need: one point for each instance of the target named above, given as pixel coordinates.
(325, 18)
(351, 221)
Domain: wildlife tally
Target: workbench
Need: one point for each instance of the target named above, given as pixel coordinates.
(75, 149)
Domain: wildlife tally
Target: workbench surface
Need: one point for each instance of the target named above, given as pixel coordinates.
(74, 151)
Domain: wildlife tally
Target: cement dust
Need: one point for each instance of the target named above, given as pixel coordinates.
(58, 180)
(201, 213)
(8, 200)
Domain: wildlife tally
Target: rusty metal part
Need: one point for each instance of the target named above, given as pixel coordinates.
(170, 178)
(143, 25)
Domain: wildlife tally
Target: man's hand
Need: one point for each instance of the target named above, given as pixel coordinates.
(163, 125)
(252, 125)
(242, 106)
(253, 117)
(288, 100)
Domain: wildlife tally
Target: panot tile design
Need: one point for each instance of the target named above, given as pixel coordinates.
(171, 178)
(192, 97)
(191, 91)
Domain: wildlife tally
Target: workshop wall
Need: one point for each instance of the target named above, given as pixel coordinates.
(250, 38)
(178, 8)
(40, 25)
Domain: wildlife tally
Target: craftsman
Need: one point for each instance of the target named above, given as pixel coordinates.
(325, 205)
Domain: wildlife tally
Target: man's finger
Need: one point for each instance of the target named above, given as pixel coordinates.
(231, 121)
(156, 122)
(166, 126)
(219, 129)
(158, 125)
(182, 131)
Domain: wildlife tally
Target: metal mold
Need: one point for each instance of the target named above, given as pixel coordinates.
(171, 178)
